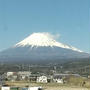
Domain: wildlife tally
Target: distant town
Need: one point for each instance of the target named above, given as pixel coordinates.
(71, 75)
(50, 74)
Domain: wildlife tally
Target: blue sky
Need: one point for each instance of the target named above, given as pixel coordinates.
(69, 18)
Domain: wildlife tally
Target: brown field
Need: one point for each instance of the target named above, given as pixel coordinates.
(49, 86)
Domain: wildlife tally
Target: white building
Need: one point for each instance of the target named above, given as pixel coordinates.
(35, 88)
(24, 74)
(5, 88)
(58, 81)
(10, 73)
(42, 79)
(11, 76)
(58, 78)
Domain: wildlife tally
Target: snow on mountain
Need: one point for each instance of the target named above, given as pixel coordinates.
(41, 47)
(43, 39)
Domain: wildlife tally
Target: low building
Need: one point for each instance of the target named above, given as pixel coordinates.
(1, 80)
(5, 88)
(42, 79)
(21, 75)
(60, 78)
(12, 78)
(24, 75)
(33, 77)
(10, 73)
(35, 88)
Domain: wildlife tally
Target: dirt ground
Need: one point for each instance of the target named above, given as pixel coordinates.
(66, 88)
(49, 86)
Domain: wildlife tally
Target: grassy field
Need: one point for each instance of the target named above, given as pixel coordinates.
(49, 86)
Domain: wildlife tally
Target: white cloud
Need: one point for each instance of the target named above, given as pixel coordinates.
(54, 36)
(50, 35)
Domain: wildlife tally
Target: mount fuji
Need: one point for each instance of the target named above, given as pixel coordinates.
(41, 47)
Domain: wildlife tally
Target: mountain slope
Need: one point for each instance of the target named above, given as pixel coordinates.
(41, 47)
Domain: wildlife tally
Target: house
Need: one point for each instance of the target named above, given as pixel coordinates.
(10, 74)
(12, 78)
(42, 79)
(58, 79)
(33, 77)
(5, 88)
(35, 88)
(1, 80)
(24, 75)
(21, 75)
(89, 76)
(61, 78)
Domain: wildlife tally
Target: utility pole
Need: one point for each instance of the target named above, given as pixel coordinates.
(22, 67)
(29, 68)
(55, 69)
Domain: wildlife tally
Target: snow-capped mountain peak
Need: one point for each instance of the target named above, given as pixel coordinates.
(43, 39)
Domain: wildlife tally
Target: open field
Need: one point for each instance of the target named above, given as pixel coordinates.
(49, 86)
(66, 88)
